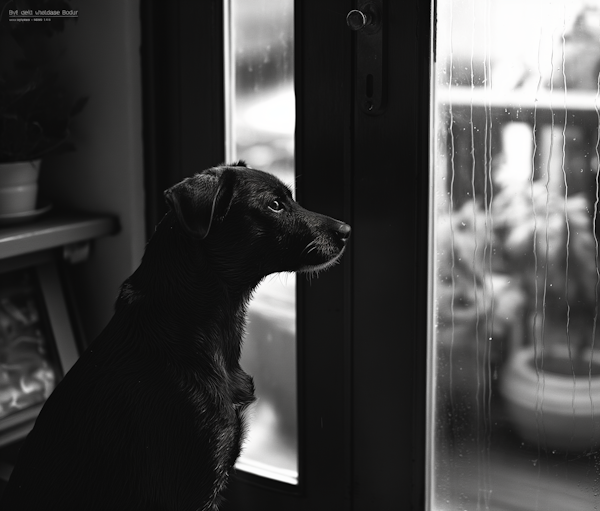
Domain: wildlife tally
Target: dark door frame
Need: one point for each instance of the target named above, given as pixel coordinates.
(183, 94)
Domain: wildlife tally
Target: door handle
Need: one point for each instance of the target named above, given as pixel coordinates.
(367, 23)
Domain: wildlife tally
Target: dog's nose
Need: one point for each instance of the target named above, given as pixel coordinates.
(344, 231)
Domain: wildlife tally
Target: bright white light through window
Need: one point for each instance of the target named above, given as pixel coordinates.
(260, 130)
(515, 368)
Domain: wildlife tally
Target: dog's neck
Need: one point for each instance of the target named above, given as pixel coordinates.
(175, 280)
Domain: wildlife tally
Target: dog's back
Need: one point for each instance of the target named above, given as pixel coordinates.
(143, 420)
(152, 414)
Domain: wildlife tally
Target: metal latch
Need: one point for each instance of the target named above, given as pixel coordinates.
(367, 22)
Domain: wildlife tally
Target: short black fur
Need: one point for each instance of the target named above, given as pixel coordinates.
(152, 415)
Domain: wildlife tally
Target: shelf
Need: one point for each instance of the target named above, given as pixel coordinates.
(522, 105)
(53, 231)
(573, 100)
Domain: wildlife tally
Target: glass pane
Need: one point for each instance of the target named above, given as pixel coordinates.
(515, 368)
(261, 121)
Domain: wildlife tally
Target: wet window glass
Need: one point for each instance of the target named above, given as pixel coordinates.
(515, 362)
(260, 130)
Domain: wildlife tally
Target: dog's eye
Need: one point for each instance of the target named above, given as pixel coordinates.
(275, 205)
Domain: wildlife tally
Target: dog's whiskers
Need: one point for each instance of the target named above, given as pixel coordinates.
(308, 249)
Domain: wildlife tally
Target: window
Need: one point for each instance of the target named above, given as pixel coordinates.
(515, 368)
(260, 129)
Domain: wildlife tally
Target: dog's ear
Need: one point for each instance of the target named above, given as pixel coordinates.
(197, 201)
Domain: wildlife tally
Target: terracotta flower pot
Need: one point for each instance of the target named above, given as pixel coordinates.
(18, 186)
(551, 407)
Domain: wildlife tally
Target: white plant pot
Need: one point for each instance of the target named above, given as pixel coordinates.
(552, 408)
(18, 186)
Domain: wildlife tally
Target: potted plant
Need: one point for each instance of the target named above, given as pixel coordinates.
(35, 112)
(551, 383)
(475, 310)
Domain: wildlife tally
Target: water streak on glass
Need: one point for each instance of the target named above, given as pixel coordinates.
(260, 130)
(489, 189)
(537, 355)
(596, 248)
(515, 379)
(452, 235)
(568, 229)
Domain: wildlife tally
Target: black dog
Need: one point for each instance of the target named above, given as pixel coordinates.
(152, 415)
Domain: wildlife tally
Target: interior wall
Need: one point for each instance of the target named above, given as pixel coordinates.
(105, 174)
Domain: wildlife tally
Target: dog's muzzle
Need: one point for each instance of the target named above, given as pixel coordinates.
(327, 248)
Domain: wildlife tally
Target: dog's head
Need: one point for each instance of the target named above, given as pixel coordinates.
(246, 218)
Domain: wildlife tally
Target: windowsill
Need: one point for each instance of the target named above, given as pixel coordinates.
(246, 464)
